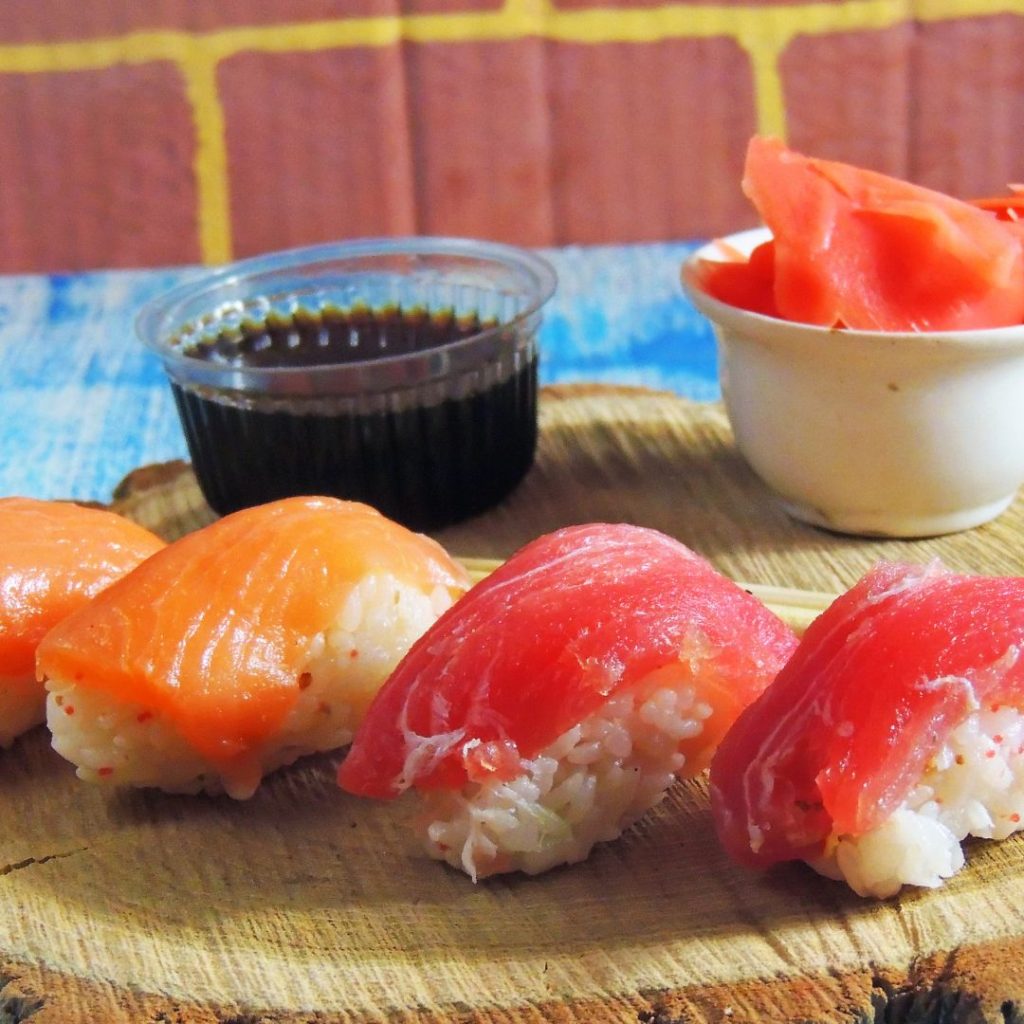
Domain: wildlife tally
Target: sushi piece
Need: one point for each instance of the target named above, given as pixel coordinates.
(560, 698)
(54, 557)
(242, 646)
(893, 732)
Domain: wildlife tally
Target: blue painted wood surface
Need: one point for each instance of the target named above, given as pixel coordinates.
(82, 402)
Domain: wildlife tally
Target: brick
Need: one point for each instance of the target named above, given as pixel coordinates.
(97, 170)
(522, 141)
(537, 143)
(937, 103)
(35, 21)
(317, 147)
(968, 108)
(481, 140)
(648, 139)
(847, 96)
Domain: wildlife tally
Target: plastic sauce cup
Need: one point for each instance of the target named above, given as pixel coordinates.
(397, 372)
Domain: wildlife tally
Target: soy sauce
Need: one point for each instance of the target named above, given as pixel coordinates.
(426, 464)
(332, 336)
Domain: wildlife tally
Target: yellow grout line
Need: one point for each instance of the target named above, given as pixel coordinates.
(210, 162)
(518, 19)
(769, 98)
(762, 31)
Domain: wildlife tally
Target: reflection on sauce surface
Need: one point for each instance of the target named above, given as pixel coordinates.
(332, 336)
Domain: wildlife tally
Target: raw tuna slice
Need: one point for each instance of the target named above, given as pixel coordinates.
(558, 700)
(891, 734)
(55, 556)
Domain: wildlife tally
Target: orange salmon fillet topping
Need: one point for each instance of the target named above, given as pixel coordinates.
(213, 632)
(54, 557)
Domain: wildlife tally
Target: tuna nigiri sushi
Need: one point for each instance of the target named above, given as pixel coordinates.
(54, 557)
(894, 732)
(242, 646)
(561, 697)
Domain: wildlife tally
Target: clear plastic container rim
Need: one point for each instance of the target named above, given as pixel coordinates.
(160, 318)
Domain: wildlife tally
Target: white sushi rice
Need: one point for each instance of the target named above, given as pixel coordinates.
(22, 706)
(586, 787)
(973, 786)
(131, 744)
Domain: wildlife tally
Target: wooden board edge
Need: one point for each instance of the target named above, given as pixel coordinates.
(982, 984)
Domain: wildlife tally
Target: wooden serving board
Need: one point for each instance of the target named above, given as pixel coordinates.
(305, 904)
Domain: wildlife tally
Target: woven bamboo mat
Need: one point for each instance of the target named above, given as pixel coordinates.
(303, 904)
(615, 454)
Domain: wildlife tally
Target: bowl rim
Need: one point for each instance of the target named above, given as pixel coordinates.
(157, 313)
(751, 324)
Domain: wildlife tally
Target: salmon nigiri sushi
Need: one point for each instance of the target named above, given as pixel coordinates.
(563, 695)
(54, 557)
(242, 646)
(894, 732)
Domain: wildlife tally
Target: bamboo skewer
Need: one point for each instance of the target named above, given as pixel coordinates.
(796, 607)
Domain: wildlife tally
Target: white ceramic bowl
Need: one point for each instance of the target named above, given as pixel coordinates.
(873, 433)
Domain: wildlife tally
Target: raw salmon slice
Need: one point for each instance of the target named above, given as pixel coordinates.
(54, 557)
(241, 646)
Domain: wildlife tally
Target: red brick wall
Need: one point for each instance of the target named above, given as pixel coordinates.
(96, 169)
(167, 131)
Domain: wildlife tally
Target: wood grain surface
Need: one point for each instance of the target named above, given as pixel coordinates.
(305, 904)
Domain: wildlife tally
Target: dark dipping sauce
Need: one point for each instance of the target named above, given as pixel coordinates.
(424, 463)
